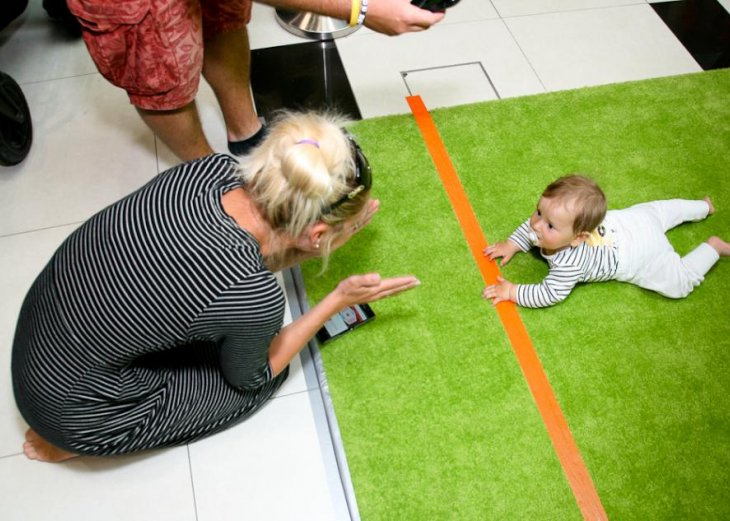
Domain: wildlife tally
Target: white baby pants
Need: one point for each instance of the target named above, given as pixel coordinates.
(647, 258)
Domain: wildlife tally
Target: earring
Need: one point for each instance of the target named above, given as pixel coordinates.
(317, 245)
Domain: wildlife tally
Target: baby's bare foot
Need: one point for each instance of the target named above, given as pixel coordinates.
(709, 202)
(37, 448)
(720, 246)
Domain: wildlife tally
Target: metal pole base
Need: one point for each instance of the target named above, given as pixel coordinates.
(313, 26)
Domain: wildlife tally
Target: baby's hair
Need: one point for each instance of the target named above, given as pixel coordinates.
(304, 164)
(582, 195)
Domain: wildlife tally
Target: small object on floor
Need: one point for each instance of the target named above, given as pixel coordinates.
(345, 321)
(241, 148)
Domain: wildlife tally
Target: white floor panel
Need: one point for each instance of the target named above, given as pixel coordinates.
(511, 8)
(89, 149)
(449, 86)
(470, 11)
(35, 48)
(600, 46)
(379, 87)
(23, 257)
(270, 467)
(151, 486)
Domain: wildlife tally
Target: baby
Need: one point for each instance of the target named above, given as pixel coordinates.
(582, 242)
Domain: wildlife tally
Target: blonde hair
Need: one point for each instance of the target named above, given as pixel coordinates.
(584, 196)
(304, 165)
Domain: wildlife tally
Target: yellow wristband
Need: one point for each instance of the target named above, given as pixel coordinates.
(354, 13)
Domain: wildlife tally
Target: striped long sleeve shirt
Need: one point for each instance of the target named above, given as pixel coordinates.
(594, 260)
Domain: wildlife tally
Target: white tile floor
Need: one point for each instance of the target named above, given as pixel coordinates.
(90, 149)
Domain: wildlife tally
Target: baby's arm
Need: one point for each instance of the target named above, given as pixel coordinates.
(554, 288)
(518, 241)
(502, 290)
(505, 249)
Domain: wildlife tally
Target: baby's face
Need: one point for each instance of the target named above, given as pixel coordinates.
(553, 224)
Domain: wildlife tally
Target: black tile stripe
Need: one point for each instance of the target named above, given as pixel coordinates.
(301, 76)
(703, 27)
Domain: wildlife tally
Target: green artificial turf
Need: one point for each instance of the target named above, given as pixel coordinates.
(435, 414)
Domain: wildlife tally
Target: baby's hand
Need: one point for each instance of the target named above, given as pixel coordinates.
(503, 290)
(504, 249)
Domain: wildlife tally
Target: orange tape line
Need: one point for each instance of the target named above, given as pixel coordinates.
(565, 447)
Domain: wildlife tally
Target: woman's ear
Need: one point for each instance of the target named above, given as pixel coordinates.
(316, 234)
(579, 238)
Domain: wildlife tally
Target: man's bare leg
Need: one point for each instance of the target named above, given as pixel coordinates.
(226, 67)
(179, 129)
(37, 448)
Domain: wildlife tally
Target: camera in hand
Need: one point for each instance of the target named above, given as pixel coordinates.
(434, 5)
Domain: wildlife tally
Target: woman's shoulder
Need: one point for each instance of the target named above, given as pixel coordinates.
(211, 168)
(215, 160)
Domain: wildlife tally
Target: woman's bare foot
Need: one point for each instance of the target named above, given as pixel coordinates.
(709, 202)
(36, 447)
(720, 246)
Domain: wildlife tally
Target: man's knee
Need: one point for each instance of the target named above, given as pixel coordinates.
(154, 53)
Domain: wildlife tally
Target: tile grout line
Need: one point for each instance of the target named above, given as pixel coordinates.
(15, 234)
(192, 481)
(6, 456)
(49, 80)
(489, 79)
(293, 393)
(436, 67)
(525, 55)
(403, 75)
(580, 9)
(499, 15)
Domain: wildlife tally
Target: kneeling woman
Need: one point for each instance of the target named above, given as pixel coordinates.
(158, 321)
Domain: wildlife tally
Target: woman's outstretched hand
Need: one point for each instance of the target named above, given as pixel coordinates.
(356, 289)
(362, 289)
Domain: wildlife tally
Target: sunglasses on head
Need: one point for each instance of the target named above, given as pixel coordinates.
(363, 174)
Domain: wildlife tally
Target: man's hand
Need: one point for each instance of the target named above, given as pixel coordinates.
(389, 17)
(393, 17)
(503, 290)
(505, 249)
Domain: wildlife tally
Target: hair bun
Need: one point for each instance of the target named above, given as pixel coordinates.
(302, 165)
(304, 169)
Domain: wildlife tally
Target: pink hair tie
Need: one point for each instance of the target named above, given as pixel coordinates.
(307, 142)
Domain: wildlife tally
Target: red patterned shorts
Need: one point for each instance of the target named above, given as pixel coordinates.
(153, 49)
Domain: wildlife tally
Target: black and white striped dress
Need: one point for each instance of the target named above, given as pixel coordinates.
(150, 326)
